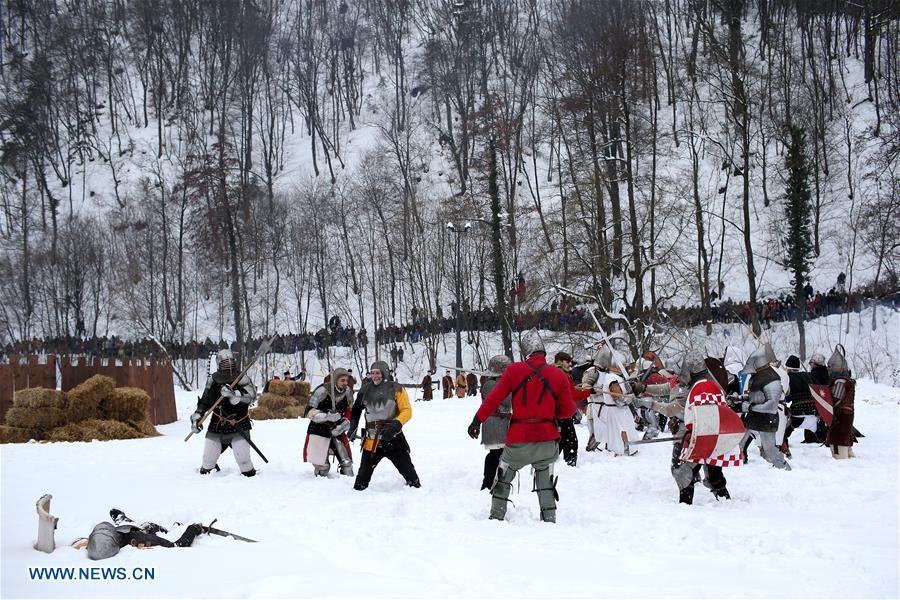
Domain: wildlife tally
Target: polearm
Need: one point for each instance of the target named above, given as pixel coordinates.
(606, 339)
(263, 349)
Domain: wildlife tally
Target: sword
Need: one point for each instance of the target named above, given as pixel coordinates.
(656, 441)
(246, 437)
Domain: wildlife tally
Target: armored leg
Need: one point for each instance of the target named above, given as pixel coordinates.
(770, 451)
(715, 480)
(212, 449)
(345, 463)
(545, 486)
(241, 450)
(500, 491)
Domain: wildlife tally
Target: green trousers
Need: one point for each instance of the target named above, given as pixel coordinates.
(541, 456)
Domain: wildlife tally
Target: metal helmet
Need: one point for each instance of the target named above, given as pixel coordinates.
(603, 358)
(531, 343)
(837, 364)
(337, 374)
(757, 360)
(380, 365)
(817, 359)
(103, 541)
(693, 362)
(497, 364)
(225, 361)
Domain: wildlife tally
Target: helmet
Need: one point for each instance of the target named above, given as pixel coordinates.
(837, 364)
(792, 363)
(337, 374)
(531, 343)
(103, 541)
(225, 361)
(497, 364)
(380, 365)
(692, 363)
(756, 361)
(603, 358)
(817, 359)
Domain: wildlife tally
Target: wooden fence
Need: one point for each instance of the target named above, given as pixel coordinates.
(151, 375)
(17, 375)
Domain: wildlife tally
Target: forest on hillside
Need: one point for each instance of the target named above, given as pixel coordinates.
(176, 169)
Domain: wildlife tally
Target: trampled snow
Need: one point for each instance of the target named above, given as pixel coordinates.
(826, 529)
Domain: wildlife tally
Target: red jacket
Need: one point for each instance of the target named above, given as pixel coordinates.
(533, 406)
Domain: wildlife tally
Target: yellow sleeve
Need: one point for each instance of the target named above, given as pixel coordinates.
(403, 406)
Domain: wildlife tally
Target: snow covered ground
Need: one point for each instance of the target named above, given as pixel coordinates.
(826, 529)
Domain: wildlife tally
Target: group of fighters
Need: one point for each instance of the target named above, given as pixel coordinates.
(529, 411)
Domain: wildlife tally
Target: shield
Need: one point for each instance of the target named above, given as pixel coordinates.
(821, 396)
(716, 430)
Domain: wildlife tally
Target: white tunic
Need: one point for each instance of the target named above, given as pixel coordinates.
(610, 419)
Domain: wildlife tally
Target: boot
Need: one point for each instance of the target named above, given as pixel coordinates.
(249, 473)
(722, 494)
(205, 471)
(686, 496)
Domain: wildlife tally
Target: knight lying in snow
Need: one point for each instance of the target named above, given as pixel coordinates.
(106, 539)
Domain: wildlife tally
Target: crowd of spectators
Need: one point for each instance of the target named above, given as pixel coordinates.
(564, 314)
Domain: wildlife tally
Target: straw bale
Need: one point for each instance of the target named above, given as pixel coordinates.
(85, 398)
(39, 397)
(299, 389)
(293, 412)
(16, 435)
(261, 413)
(126, 404)
(41, 419)
(144, 427)
(274, 402)
(94, 429)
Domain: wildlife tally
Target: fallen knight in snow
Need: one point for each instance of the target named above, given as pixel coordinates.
(106, 539)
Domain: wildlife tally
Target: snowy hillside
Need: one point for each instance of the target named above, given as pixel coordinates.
(620, 531)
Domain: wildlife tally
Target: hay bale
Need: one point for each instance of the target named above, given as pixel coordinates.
(275, 403)
(16, 435)
(126, 404)
(261, 413)
(298, 389)
(39, 398)
(293, 412)
(94, 429)
(144, 427)
(85, 398)
(39, 419)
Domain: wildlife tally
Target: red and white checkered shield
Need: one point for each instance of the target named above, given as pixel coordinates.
(821, 395)
(716, 430)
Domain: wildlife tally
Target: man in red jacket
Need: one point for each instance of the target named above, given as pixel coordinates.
(541, 393)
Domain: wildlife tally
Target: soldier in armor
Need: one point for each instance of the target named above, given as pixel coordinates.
(387, 411)
(106, 539)
(230, 422)
(803, 411)
(843, 391)
(493, 434)
(327, 432)
(610, 420)
(541, 394)
(761, 406)
(694, 375)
